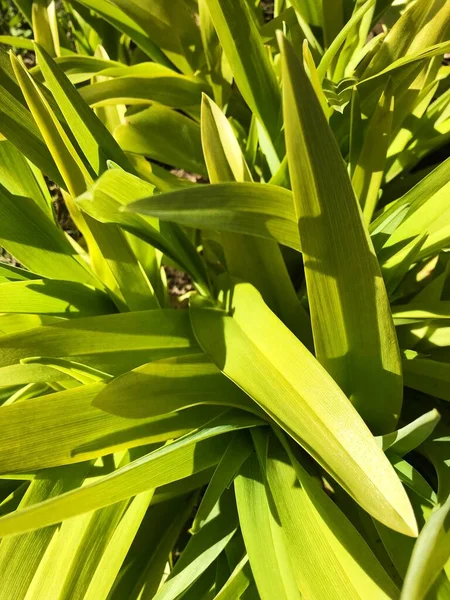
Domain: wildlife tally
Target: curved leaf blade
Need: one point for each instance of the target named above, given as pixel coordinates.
(254, 349)
(258, 209)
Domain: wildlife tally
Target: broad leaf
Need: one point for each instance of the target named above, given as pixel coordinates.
(254, 349)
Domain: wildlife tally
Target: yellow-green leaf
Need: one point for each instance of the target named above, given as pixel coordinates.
(254, 349)
(353, 331)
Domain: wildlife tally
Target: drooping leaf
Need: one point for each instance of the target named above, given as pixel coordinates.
(149, 82)
(412, 435)
(256, 209)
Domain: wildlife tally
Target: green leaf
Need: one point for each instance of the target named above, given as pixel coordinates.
(66, 427)
(237, 583)
(157, 333)
(17, 42)
(343, 277)
(43, 14)
(249, 62)
(163, 135)
(322, 94)
(412, 435)
(20, 556)
(202, 549)
(428, 376)
(172, 462)
(94, 139)
(169, 385)
(18, 125)
(424, 212)
(21, 179)
(78, 68)
(400, 547)
(74, 172)
(145, 82)
(431, 553)
(229, 465)
(315, 527)
(31, 236)
(160, 531)
(14, 323)
(356, 40)
(332, 19)
(256, 351)
(369, 168)
(257, 261)
(418, 312)
(417, 29)
(412, 478)
(219, 74)
(338, 41)
(257, 209)
(29, 373)
(263, 536)
(171, 26)
(58, 298)
(65, 571)
(127, 272)
(11, 273)
(73, 369)
(116, 188)
(122, 21)
(114, 554)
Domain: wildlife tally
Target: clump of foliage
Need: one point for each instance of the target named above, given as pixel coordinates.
(286, 435)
